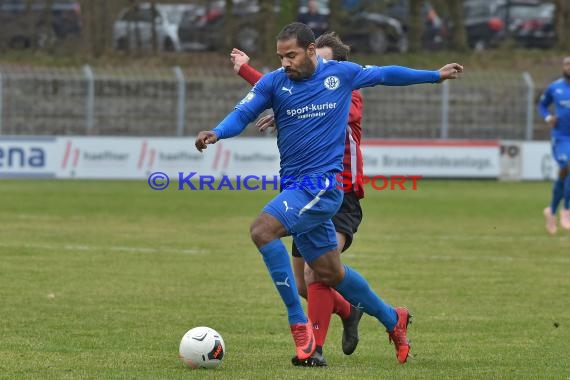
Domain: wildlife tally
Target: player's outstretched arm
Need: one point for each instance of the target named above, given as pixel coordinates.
(204, 139)
(450, 71)
(394, 75)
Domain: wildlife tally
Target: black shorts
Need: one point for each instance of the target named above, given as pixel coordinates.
(346, 220)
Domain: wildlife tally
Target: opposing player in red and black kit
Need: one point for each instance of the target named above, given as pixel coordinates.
(323, 300)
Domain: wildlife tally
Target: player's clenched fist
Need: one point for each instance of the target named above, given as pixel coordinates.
(450, 71)
(205, 138)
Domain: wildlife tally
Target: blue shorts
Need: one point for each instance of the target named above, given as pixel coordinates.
(306, 215)
(561, 152)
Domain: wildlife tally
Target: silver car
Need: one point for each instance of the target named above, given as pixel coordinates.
(133, 28)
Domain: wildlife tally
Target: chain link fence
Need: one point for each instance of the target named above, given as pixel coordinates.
(177, 102)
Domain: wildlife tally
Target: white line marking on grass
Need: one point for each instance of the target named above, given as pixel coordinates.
(87, 248)
(35, 217)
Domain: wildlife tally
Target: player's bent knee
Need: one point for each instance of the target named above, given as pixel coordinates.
(328, 275)
(264, 229)
(256, 233)
(333, 280)
(328, 268)
(260, 235)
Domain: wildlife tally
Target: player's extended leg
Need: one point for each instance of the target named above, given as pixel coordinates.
(298, 210)
(357, 291)
(323, 301)
(346, 222)
(266, 232)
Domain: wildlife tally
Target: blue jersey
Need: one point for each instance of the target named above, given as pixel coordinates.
(312, 114)
(558, 92)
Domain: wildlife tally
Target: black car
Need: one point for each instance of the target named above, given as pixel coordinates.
(25, 24)
(484, 26)
(365, 31)
(202, 29)
(538, 29)
(376, 27)
(488, 23)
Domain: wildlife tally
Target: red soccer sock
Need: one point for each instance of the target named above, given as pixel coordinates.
(320, 305)
(341, 305)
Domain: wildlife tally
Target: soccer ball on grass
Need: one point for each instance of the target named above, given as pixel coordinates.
(202, 347)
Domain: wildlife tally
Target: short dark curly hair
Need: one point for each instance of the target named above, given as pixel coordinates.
(304, 35)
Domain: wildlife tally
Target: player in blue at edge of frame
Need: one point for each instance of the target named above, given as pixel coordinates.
(310, 98)
(558, 92)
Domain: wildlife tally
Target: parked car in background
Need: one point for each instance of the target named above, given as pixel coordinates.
(25, 24)
(366, 31)
(484, 26)
(538, 29)
(372, 32)
(202, 28)
(487, 23)
(133, 29)
(434, 35)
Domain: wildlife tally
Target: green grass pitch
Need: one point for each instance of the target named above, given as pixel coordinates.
(100, 280)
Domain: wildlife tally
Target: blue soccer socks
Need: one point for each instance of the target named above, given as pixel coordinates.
(356, 290)
(278, 263)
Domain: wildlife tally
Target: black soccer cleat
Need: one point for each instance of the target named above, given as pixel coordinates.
(316, 360)
(350, 332)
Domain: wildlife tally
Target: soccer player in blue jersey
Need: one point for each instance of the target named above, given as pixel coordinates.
(310, 98)
(322, 300)
(558, 92)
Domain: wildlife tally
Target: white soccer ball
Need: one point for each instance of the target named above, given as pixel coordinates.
(202, 347)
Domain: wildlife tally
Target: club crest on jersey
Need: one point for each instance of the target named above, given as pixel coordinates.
(247, 98)
(332, 83)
